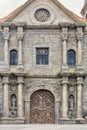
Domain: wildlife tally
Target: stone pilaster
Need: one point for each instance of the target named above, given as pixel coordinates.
(57, 111)
(64, 42)
(6, 96)
(79, 96)
(65, 98)
(27, 111)
(6, 51)
(20, 97)
(20, 35)
(79, 54)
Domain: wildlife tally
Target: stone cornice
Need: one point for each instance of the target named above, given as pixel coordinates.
(57, 26)
(59, 75)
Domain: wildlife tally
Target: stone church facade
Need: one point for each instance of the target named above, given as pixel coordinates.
(43, 65)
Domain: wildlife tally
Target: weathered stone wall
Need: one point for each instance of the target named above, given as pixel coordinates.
(1, 98)
(85, 70)
(34, 84)
(42, 38)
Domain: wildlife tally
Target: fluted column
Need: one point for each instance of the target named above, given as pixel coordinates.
(79, 96)
(64, 42)
(20, 35)
(79, 39)
(20, 97)
(6, 96)
(65, 97)
(6, 51)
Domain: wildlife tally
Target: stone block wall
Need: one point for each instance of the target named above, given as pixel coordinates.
(1, 98)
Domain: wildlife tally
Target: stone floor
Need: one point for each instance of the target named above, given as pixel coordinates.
(43, 127)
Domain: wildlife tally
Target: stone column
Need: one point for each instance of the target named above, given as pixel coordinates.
(79, 39)
(20, 35)
(65, 98)
(64, 40)
(20, 97)
(6, 96)
(79, 96)
(6, 51)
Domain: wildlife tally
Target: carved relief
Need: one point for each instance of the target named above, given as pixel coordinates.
(13, 83)
(6, 33)
(42, 15)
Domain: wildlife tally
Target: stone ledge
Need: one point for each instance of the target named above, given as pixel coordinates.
(73, 121)
(7, 120)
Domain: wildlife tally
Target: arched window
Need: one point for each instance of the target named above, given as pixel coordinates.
(71, 58)
(13, 57)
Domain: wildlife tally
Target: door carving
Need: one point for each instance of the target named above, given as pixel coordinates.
(42, 107)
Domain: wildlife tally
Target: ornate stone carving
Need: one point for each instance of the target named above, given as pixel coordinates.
(64, 33)
(6, 33)
(13, 83)
(20, 79)
(79, 35)
(42, 15)
(20, 33)
(5, 80)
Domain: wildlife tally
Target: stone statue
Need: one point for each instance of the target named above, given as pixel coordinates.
(13, 106)
(71, 101)
(13, 101)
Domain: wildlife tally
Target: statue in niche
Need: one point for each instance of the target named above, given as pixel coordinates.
(71, 102)
(13, 106)
(13, 101)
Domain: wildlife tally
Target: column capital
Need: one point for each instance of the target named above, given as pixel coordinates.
(6, 33)
(79, 33)
(64, 33)
(20, 33)
(20, 79)
(5, 80)
(65, 80)
(80, 80)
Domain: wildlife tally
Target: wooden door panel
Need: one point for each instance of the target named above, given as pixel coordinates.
(42, 107)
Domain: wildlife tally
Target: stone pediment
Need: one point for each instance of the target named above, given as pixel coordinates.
(35, 12)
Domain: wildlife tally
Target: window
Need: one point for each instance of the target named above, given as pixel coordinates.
(71, 58)
(13, 57)
(42, 56)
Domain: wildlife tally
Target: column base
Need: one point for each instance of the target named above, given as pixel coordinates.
(9, 120)
(80, 118)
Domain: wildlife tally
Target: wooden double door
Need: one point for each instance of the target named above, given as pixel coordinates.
(42, 107)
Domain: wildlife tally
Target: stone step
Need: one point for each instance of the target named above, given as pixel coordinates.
(43, 127)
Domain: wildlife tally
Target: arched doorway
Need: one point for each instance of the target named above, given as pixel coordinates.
(42, 107)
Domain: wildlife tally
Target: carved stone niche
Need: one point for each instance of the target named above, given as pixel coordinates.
(13, 105)
(13, 83)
